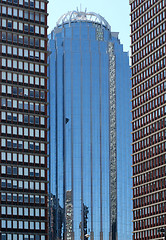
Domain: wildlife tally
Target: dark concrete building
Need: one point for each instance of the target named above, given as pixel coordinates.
(23, 120)
(148, 48)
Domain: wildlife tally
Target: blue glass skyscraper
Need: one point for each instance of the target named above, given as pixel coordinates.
(89, 110)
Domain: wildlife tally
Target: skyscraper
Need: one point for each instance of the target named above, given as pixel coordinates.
(23, 120)
(148, 35)
(89, 82)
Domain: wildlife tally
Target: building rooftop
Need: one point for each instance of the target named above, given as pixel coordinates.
(80, 16)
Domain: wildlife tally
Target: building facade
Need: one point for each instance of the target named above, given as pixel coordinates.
(23, 120)
(89, 95)
(148, 48)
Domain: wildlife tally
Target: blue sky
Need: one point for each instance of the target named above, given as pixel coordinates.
(116, 12)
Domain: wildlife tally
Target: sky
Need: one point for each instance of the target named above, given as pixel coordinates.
(116, 12)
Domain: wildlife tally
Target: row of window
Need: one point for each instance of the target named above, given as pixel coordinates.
(16, 118)
(17, 39)
(141, 133)
(150, 106)
(138, 157)
(148, 234)
(22, 158)
(21, 199)
(23, 79)
(141, 88)
(22, 225)
(19, 236)
(150, 222)
(22, 92)
(22, 105)
(31, 212)
(157, 102)
(22, 132)
(22, 171)
(159, 30)
(22, 145)
(139, 146)
(149, 188)
(146, 5)
(22, 185)
(23, 53)
(152, 80)
(150, 70)
(149, 141)
(27, 3)
(149, 176)
(25, 15)
(22, 27)
(23, 66)
(144, 132)
(150, 199)
(154, 56)
(148, 118)
(148, 16)
(147, 211)
(150, 152)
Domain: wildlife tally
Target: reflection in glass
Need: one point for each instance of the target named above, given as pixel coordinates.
(88, 96)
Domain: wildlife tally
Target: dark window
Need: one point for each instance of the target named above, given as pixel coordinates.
(36, 199)
(3, 36)
(31, 119)
(14, 91)
(9, 170)
(3, 184)
(36, 120)
(26, 198)
(26, 3)
(14, 198)
(3, 195)
(26, 27)
(26, 118)
(20, 198)
(9, 116)
(9, 197)
(31, 3)
(9, 24)
(31, 199)
(31, 29)
(9, 144)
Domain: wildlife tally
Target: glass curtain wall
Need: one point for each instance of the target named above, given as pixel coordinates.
(79, 73)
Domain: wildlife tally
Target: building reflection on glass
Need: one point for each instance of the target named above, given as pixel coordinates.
(89, 99)
(69, 215)
(56, 218)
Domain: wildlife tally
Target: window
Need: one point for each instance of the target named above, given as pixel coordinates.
(36, 4)
(32, 29)
(36, 29)
(42, 5)
(20, 26)
(4, 23)
(20, 14)
(3, 210)
(3, 225)
(42, 43)
(26, 3)
(31, 14)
